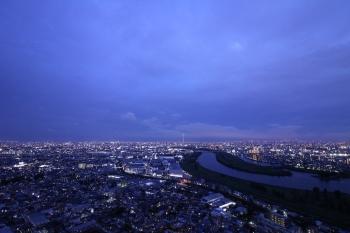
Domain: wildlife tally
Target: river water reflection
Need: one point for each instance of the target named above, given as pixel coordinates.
(298, 180)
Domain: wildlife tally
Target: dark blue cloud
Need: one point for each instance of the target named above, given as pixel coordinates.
(98, 70)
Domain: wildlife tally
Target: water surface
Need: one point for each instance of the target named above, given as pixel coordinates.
(298, 180)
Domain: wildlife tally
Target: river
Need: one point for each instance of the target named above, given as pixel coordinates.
(298, 180)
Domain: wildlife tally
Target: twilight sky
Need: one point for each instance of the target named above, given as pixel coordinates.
(152, 70)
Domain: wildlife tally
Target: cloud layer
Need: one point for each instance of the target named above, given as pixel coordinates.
(134, 70)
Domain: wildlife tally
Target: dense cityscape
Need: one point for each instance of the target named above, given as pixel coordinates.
(141, 187)
(203, 116)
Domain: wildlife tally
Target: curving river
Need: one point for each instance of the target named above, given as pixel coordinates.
(298, 180)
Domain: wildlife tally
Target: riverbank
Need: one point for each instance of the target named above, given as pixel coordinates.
(237, 163)
(331, 207)
(327, 176)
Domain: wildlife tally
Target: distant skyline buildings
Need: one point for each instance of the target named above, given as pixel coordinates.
(158, 71)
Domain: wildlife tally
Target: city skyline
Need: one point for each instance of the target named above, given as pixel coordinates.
(153, 71)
